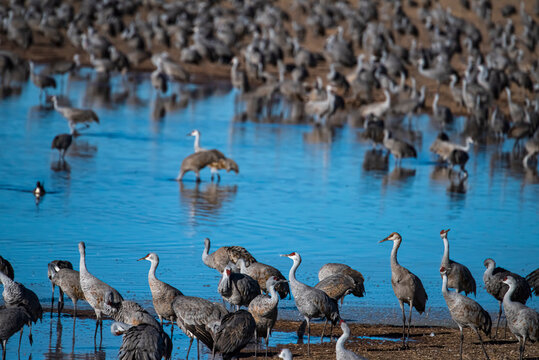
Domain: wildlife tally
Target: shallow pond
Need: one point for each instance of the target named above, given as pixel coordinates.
(116, 191)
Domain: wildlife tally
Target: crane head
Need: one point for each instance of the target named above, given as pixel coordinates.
(82, 247)
(444, 232)
(509, 280)
(150, 257)
(194, 133)
(442, 270)
(394, 236)
(488, 262)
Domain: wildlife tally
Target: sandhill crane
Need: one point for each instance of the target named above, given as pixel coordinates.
(212, 158)
(516, 111)
(443, 147)
(533, 280)
(196, 144)
(311, 302)
(398, 148)
(439, 73)
(173, 70)
(16, 294)
(61, 274)
(522, 320)
(337, 286)
(62, 142)
(264, 310)
(232, 333)
(456, 92)
(459, 277)
(39, 190)
(95, 292)
(130, 312)
(159, 79)
(330, 269)
(42, 81)
(493, 279)
(238, 77)
(142, 341)
(322, 109)
(407, 287)
(75, 116)
(6, 268)
(12, 320)
(261, 273)
(532, 149)
(377, 109)
(285, 354)
(341, 352)
(163, 294)
(441, 113)
(465, 312)
(237, 289)
(220, 258)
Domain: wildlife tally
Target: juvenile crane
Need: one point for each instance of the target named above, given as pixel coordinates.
(232, 333)
(237, 289)
(312, 303)
(220, 258)
(407, 287)
(261, 273)
(465, 312)
(459, 277)
(214, 159)
(493, 279)
(100, 296)
(398, 148)
(341, 352)
(61, 274)
(522, 320)
(75, 116)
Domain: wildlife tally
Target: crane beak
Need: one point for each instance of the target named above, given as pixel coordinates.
(281, 281)
(143, 258)
(381, 241)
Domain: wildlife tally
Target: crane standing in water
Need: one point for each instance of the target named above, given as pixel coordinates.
(459, 277)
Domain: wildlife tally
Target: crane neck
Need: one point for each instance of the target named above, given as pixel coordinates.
(445, 291)
(489, 270)
(509, 294)
(4, 279)
(197, 142)
(396, 245)
(243, 267)
(342, 339)
(153, 267)
(445, 258)
(205, 253)
(292, 272)
(82, 263)
(274, 297)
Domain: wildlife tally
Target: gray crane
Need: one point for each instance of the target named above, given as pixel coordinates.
(61, 274)
(522, 320)
(337, 286)
(377, 109)
(212, 158)
(264, 310)
(443, 147)
(285, 354)
(142, 341)
(237, 288)
(238, 77)
(173, 70)
(62, 142)
(220, 258)
(100, 296)
(533, 280)
(465, 312)
(516, 111)
(42, 81)
(130, 312)
(322, 109)
(455, 91)
(158, 78)
(311, 302)
(194, 316)
(6, 268)
(441, 113)
(163, 294)
(232, 333)
(341, 352)
(330, 269)
(12, 320)
(75, 116)
(493, 279)
(407, 287)
(16, 294)
(261, 273)
(459, 277)
(398, 148)
(196, 144)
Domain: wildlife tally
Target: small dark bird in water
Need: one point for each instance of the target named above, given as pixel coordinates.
(62, 142)
(39, 190)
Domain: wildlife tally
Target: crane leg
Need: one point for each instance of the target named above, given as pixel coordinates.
(308, 336)
(481, 341)
(60, 301)
(198, 350)
(409, 320)
(3, 349)
(403, 324)
(52, 300)
(75, 311)
(267, 340)
(522, 347)
(256, 343)
(171, 329)
(101, 332)
(30, 338)
(189, 349)
(323, 331)
(461, 341)
(20, 339)
(498, 322)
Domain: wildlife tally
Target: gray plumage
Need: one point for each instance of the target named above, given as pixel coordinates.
(533, 280)
(144, 342)
(522, 320)
(62, 142)
(12, 320)
(465, 312)
(159, 78)
(262, 273)
(237, 289)
(61, 274)
(341, 352)
(75, 116)
(285, 354)
(220, 258)
(101, 296)
(131, 313)
(459, 277)
(233, 333)
(42, 81)
(398, 148)
(330, 269)
(238, 77)
(493, 279)
(407, 287)
(212, 158)
(312, 303)
(6, 268)
(337, 286)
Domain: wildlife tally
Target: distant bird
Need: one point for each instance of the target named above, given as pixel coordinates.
(238, 77)
(322, 109)
(220, 258)
(39, 190)
(16, 294)
(75, 116)
(62, 142)
(163, 294)
(444, 148)
(441, 114)
(101, 297)
(311, 302)
(237, 289)
(522, 320)
(398, 148)
(459, 277)
(12, 320)
(493, 279)
(465, 312)
(532, 149)
(6, 268)
(533, 280)
(407, 287)
(232, 333)
(261, 273)
(377, 109)
(142, 341)
(330, 269)
(264, 310)
(42, 81)
(285, 354)
(159, 79)
(341, 352)
(212, 158)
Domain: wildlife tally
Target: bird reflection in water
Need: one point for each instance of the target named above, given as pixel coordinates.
(82, 149)
(320, 134)
(207, 199)
(376, 160)
(457, 184)
(61, 165)
(398, 175)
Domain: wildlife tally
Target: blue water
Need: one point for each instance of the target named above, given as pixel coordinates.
(117, 193)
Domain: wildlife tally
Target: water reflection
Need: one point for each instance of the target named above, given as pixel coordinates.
(398, 175)
(457, 184)
(205, 199)
(376, 160)
(320, 134)
(57, 351)
(60, 165)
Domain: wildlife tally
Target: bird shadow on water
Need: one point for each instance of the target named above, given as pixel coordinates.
(60, 165)
(205, 199)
